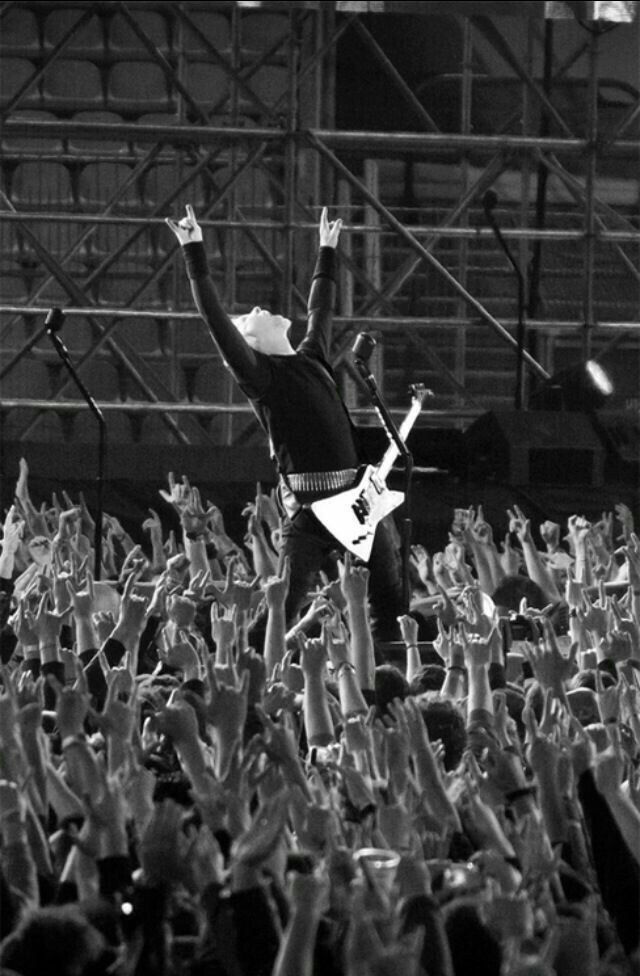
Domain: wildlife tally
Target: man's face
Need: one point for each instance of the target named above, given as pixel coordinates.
(264, 332)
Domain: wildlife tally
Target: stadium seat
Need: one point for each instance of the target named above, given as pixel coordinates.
(100, 377)
(138, 87)
(163, 180)
(28, 378)
(212, 381)
(34, 143)
(105, 240)
(57, 237)
(156, 431)
(72, 86)
(102, 146)
(125, 43)
(140, 333)
(157, 120)
(207, 84)
(110, 291)
(105, 181)
(38, 185)
(9, 243)
(270, 83)
(214, 26)
(13, 289)
(77, 334)
(253, 190)
(14, 72)
(19, 35)
(259, 31)
(87, 42)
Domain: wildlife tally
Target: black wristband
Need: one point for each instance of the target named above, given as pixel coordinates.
(195, 258)
(325, 263)
(195, 536)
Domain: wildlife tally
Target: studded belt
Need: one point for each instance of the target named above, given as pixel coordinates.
(321, 480)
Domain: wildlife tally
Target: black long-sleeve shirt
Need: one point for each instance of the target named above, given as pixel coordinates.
(295, 397)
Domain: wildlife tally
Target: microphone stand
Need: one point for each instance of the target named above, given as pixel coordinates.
(363, 347)
(53, 324)
(488, 202)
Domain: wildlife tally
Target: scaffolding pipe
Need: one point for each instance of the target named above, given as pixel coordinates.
(590, 186)
(357, 141)
(424, 230)
(395, 321)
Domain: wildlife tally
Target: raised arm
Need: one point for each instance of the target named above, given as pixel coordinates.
(238, 355)
(323, 290)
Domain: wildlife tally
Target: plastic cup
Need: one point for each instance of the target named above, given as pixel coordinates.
(379, 866)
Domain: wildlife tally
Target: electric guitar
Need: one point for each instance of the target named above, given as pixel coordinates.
(352, 516)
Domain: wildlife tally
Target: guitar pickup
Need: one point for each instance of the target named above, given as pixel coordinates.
(361, 508)
(377, 483)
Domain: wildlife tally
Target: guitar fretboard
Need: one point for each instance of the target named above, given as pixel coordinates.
(393, 451)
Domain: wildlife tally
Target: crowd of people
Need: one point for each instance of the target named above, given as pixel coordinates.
(192, 782)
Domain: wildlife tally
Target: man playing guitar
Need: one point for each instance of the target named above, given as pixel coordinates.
(297, 402)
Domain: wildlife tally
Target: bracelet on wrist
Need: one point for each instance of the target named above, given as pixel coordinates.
(344, 666)
(514, 795)
(457, 667)
(195, 536)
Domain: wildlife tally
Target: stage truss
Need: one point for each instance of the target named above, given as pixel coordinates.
(233, 109)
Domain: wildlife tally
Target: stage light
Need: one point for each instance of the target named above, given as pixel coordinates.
(599, 378)
(583, 387)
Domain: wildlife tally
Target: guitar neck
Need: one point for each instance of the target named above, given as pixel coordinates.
(393, 451)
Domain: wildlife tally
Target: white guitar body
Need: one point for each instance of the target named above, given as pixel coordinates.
(352, 516)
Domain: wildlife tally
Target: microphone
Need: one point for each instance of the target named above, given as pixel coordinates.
(362, 351)
(54, 321)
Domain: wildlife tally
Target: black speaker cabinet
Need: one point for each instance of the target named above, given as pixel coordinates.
(520, 447)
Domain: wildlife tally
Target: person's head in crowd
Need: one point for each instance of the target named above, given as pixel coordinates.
(474, 950)
(390, 683)
(583, 705)
(57, 939)
(587, 679)
(510, 593)
(445, 722)
(429, 677)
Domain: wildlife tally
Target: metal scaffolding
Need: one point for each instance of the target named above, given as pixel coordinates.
(234, 109)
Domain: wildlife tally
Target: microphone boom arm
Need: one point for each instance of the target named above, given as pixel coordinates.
(53, 324)
(488, 202)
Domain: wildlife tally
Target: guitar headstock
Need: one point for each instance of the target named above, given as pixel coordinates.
(420, 392)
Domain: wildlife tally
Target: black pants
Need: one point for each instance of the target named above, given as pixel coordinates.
(310, 548)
